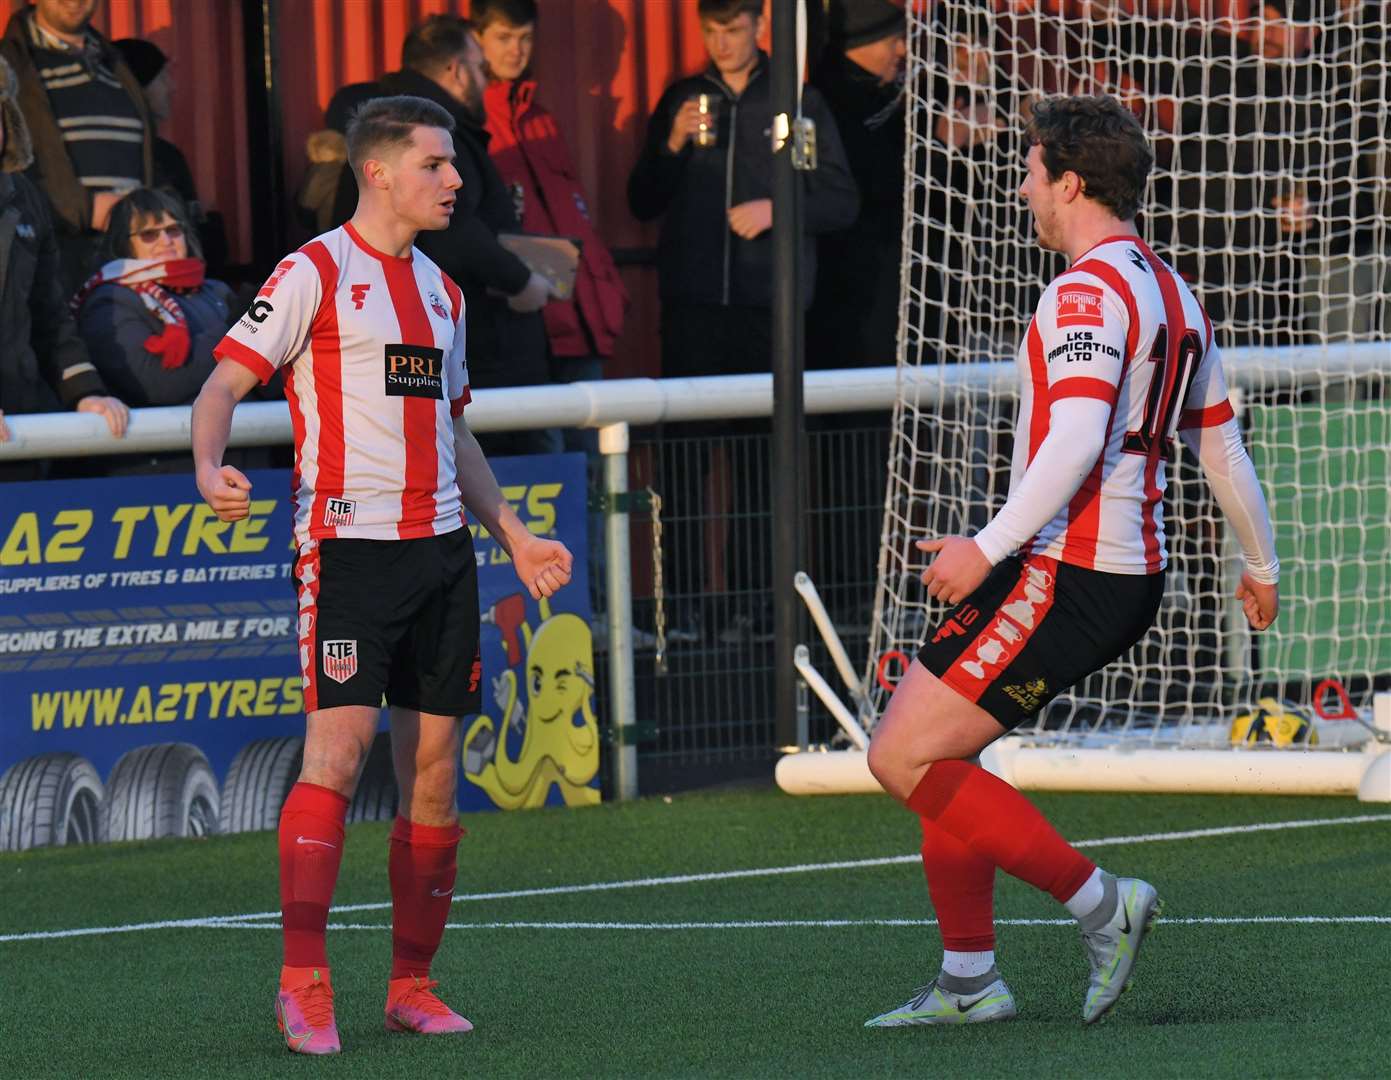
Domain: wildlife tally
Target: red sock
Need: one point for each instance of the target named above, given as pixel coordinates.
(999, 824)
(422, 868)
(962, 886)
(311, 847)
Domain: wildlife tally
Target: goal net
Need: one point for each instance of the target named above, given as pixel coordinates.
(1271, 194)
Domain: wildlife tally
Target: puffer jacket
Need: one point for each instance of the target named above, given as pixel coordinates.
(535, 164)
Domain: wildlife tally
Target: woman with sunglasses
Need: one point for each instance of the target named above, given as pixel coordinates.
(149, 317)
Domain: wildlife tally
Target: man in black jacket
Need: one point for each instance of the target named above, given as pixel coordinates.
(713, 191)
(854, 321)
(715, 255)
(442, 61)
(43, 364)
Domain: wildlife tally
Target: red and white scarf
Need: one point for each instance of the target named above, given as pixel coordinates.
(150, 279)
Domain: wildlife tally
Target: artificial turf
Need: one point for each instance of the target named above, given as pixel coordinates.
(1262, 999)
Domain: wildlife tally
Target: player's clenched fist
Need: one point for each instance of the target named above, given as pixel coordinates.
(1260, 602)
(226, 490)
(542, 565)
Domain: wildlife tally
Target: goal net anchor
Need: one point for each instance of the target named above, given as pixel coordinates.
(1364, 771)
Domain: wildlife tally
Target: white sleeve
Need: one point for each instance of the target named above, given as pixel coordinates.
(1076, 438)
(276, 328)
(456, 363)
(1232, 476)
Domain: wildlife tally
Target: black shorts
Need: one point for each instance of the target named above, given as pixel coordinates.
(1036, 627)
(393, 619)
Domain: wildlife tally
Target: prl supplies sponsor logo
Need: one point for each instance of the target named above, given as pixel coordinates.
(340, 660)
(1079, 305)
(414, 371)
(339, 512)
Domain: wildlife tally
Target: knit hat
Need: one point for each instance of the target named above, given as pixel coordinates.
(144, 58)
(18, 154)
(853, 23)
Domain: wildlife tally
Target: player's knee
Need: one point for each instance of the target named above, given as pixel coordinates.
(882, 759)
(333, 764)
(432, 787)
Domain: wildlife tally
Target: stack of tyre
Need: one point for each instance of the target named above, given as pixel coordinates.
(168, 789)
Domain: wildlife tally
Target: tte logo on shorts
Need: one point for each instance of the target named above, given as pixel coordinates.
(340, 660)
(339, 512)
(1080, 305)
(414, 371)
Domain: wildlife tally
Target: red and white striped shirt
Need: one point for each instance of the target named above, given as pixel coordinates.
(1118, 327)
(372, 350)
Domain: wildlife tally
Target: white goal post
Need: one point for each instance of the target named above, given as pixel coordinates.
(1271, 194)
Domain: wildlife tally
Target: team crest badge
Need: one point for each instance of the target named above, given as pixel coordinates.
(340, 660)
(437, 306)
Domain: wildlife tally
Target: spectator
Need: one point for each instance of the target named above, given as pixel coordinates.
(149, 316)
(443, 62)
(92, 135)
(958, 136)
(715, 255)
(530, 154)
(43, 363)
(854, 321)
(327, 154)
(155, 75)
(715, 260)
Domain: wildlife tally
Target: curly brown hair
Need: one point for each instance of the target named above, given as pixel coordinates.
(1101, 141)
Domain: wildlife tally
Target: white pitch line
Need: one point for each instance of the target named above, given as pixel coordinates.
(777, 924)
(127, 928)
(805, 868)
(686, 879)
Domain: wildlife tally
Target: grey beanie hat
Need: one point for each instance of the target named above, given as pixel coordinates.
(18, 154)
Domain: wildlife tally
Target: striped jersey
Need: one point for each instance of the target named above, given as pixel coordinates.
(1119, 326)
(372, 351)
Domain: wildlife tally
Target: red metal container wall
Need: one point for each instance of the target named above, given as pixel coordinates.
(602, 66)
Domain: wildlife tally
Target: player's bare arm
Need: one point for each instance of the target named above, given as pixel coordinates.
(225, 489)
(542, 565)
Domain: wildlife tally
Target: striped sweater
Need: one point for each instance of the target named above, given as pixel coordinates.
(102, 128)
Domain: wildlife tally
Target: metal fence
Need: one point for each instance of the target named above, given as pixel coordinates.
(702, 587)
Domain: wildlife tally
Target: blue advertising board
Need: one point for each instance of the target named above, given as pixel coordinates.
(130, 616)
